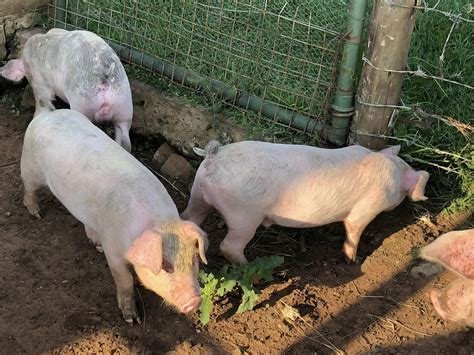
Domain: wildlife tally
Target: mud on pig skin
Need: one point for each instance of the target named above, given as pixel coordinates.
(81, 69)
(252, 183)
(124, 207)
(455, 251)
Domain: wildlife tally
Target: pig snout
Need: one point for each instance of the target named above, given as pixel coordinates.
(189, 304)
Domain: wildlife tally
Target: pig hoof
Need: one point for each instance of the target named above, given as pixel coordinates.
(356, 260)
(38, 215)
(130, 319)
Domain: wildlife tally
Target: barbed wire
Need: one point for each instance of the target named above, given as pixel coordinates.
(419, 72)
(464, 128)
(453, 17)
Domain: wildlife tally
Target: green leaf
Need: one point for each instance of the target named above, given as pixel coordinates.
(205, 309)
(225, 287)
(249, 300)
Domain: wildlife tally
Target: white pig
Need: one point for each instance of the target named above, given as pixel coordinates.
(82, 70)
(455, 251)
(123, 206)
(252, 183)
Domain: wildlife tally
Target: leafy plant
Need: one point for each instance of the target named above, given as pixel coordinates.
(229, 278)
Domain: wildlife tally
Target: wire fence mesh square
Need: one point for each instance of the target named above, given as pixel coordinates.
(285, 52)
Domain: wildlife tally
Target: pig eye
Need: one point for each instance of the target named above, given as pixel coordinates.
(167, 266)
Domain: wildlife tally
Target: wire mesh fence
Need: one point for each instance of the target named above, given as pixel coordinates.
(284, 52)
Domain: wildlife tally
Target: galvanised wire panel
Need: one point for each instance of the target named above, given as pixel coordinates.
(282, 51)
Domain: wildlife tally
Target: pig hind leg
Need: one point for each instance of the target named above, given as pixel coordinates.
(241, 230)
(30, 200)
(197, 209)
(122, 135)
(124, 282)
(354, 228)
(32, 184)
(94, 238)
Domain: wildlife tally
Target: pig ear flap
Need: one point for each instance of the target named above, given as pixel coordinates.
(454, 250)
(147, 251)
(194, 232)
(14, 70)
(418, 191)
(392, 150)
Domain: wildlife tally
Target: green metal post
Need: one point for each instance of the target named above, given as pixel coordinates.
(60, 19)
(342, 108)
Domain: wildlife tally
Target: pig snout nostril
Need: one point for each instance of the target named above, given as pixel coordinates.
(191, 305)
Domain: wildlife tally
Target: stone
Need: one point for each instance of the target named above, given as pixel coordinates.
(426, 269)
(162, 154)
(180, 124)
(177, 166)
(22, 36)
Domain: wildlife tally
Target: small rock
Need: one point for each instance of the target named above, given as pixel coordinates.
(177, 166)
(283, 327)
(426, 269)
(290, 313)
(8, 214)
(162, 154)
(186, 344)
(22, 36)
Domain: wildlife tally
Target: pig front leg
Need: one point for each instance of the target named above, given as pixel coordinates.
(94, 238)
(44, 97)
(124, 282)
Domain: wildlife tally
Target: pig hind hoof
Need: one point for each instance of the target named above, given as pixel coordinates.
(130, 318)
(357, 260)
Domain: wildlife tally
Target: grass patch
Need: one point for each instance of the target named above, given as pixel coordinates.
(442, 148)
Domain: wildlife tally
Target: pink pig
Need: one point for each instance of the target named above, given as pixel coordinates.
(125, 209)
(81, 69)
(455, 251)
(252, 183)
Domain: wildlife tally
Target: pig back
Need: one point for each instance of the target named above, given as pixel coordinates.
(313, 186)
(93, 176)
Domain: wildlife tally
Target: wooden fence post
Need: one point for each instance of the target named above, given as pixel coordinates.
(387, 49)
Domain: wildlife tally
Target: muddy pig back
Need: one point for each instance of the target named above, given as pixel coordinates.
(81, 69)
(455, 251)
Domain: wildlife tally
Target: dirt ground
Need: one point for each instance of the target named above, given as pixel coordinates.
(57, 294)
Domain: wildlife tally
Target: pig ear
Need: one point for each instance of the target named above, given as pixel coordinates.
(392, 150)
(147, 251)
(14, 70)
(194, 232)
(415, 184)
(454, 250)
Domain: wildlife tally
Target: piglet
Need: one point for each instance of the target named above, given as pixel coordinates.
(252, 183)
(455, 251)
(125, 209)
(81, 69)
